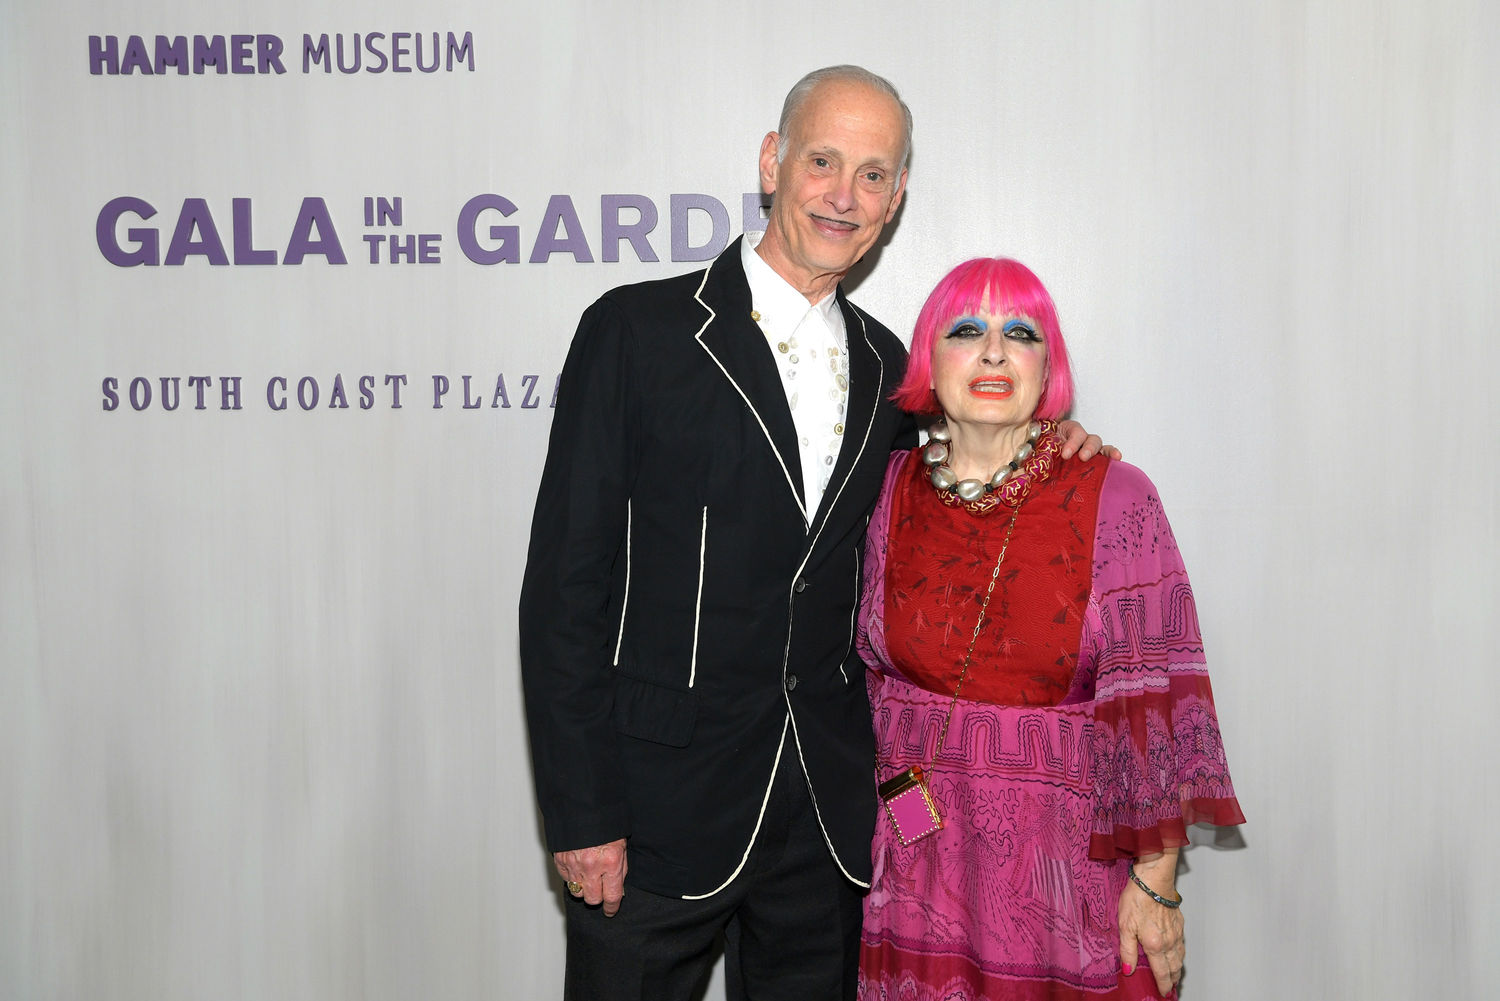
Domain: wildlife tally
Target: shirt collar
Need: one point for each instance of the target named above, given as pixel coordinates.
(774, 297)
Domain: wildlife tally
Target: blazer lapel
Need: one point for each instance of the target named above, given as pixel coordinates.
(738, 347)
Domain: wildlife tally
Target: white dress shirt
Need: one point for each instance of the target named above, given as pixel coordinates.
(810, 345)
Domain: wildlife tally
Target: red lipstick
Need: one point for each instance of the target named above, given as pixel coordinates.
(992, 387)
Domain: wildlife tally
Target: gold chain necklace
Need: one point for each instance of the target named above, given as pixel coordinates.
(984, 608)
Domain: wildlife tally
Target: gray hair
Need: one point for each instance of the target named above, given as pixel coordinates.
(798, 95)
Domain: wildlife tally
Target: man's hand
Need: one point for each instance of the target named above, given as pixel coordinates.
(1076, 439)
(599, 871)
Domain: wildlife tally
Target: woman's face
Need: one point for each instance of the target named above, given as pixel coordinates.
(989, 368)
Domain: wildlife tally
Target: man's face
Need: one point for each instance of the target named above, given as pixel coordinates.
(838, 186)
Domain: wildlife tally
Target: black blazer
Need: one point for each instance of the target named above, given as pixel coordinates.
(681, 614)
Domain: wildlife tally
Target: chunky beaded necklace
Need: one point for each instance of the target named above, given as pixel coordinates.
(1033, 463)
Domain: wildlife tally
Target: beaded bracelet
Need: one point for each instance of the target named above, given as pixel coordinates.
(1172, 904)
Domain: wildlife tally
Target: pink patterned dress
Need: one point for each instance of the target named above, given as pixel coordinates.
(1085, 734)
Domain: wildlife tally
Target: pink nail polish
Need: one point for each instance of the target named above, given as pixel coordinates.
(1129, 969)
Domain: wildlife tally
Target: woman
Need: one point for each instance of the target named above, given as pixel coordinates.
(1034, 652)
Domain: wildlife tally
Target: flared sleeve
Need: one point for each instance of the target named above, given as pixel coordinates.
(1158, 758)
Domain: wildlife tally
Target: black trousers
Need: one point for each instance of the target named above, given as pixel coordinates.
(791, 921)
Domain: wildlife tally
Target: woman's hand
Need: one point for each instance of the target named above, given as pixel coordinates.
(1147, 925)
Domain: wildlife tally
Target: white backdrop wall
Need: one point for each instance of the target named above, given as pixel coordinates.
(260, 727)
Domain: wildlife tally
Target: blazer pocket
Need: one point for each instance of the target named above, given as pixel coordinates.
(653, 712)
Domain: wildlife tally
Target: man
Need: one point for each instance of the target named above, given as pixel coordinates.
(697, 716)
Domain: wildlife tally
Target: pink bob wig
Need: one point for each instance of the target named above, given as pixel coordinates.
(1011, 289)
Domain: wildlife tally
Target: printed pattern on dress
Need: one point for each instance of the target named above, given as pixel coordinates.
(1014, 898)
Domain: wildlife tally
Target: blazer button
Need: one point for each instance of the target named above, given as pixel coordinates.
(791, 682)
(800, 586)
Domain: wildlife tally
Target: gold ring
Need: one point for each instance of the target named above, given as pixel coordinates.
(575, 887)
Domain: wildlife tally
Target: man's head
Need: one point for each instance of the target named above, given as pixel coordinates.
(798, 95)
(836, 170)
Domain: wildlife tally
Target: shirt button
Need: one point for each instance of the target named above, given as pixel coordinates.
(791, 682)
(800, 586)
(838, 428)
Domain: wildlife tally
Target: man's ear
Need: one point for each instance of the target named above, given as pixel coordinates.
(896, 202)
(768, 162)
